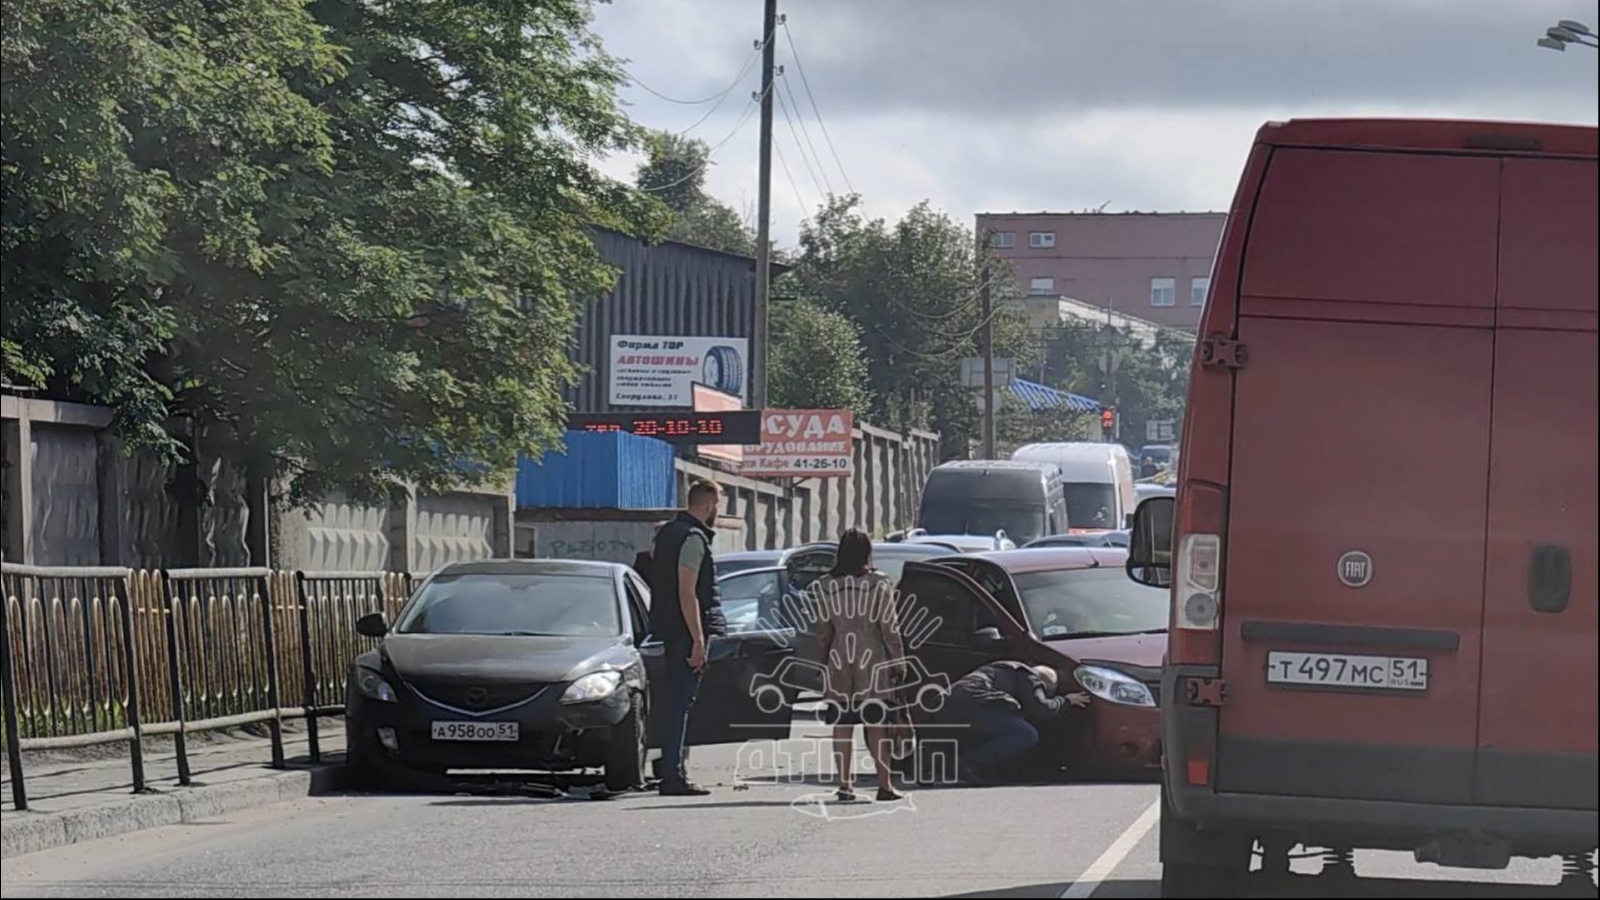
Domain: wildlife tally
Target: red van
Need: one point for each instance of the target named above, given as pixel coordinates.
(1382, 551)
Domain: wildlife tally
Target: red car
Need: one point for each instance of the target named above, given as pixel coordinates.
(1071, 608)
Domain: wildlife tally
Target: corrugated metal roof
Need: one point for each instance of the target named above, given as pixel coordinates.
(612, 470)
(1040, 397)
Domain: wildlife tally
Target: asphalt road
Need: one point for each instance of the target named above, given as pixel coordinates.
(1038, 841)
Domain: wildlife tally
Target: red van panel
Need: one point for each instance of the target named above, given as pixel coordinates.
(1537, 718)
(1368, 438)
(1375, 228)
(1550, 226)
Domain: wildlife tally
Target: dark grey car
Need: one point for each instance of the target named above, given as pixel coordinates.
(536, 665)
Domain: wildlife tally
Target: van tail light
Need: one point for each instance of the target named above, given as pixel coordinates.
(1197, 597)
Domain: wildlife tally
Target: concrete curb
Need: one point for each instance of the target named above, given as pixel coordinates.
(22, 833)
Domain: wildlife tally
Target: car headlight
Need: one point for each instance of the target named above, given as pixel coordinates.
(1113, 686)
(373, 687)
(591, 687)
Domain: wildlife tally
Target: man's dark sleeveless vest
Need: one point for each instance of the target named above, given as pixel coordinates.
(666, 615)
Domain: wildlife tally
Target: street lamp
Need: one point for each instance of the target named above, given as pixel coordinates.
(1567, 32)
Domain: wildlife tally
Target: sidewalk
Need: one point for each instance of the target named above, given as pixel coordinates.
(86, 794)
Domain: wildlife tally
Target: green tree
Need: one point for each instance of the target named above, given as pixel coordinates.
(913, 289)
(817, 360)
(1152, 377)
(674, 172)
(346, 238)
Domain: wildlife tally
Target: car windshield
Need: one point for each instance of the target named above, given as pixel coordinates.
(514, 604)
(1020, 522)
(1084, 602)
(1091, 504)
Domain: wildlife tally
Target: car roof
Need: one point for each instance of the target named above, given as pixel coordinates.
(571, 567)
(1050, 559)
(1012, 465)
(913, 548)
(951, 540)
(749, 555)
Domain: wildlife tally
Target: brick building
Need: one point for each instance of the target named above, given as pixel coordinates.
(1156, 266)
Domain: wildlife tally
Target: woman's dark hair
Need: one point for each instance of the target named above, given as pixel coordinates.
(855, 554)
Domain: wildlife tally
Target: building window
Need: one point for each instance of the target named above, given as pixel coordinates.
(1004, 240)
(1163, 292)
(1041, 287)
(1199, 289)
(1041, 239)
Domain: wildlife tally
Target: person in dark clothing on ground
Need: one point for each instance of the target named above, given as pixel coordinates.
(1001, 706)
(685, 614)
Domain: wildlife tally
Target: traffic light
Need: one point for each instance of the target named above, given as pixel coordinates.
(1108, 422)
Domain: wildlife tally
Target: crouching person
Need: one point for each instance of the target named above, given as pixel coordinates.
(996, 712)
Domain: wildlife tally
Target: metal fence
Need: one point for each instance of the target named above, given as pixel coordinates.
(106, 655)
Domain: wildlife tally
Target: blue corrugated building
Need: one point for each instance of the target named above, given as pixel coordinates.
(600, 470)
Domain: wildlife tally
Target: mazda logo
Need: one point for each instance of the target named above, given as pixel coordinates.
(477, 696)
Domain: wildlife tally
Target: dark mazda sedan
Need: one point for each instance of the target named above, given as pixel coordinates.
(534, 665)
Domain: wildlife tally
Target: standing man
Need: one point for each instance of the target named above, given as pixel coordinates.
(685, 614)
(1002, 706)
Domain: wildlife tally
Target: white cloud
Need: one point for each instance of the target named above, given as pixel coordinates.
(1035, 104)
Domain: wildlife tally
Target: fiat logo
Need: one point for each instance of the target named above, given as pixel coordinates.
(1355, 569)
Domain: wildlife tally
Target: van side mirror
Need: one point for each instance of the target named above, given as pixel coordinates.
(372, 625)
(1150, 545)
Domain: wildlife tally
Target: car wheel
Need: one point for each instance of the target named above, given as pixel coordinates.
(829, 713)
(626, 757)
(1197, 880)
(930, 698)
(874, 712)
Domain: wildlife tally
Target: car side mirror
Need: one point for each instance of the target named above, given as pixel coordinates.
(1150, 545)
(990, 635)
(1128, 520)
(372, 625)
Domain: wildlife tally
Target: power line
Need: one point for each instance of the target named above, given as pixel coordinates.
(795, 52)
(807, 132)
(718, 105)
(826, 192)
(738, 126)
(784, 163)
(749, 61)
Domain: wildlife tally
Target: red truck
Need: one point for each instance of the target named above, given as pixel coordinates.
(1382, 552)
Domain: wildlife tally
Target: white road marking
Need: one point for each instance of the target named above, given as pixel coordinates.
(1102, 868)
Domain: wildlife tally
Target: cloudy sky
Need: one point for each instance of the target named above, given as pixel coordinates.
(995, 105)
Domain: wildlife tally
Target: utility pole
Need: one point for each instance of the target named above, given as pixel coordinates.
(986, 337)
(769, 25)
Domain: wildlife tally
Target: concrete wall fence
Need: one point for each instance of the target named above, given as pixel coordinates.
(73, 497)
(880, 496)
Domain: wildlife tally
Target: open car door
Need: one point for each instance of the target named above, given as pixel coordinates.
(950, 624)
(728, 711)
